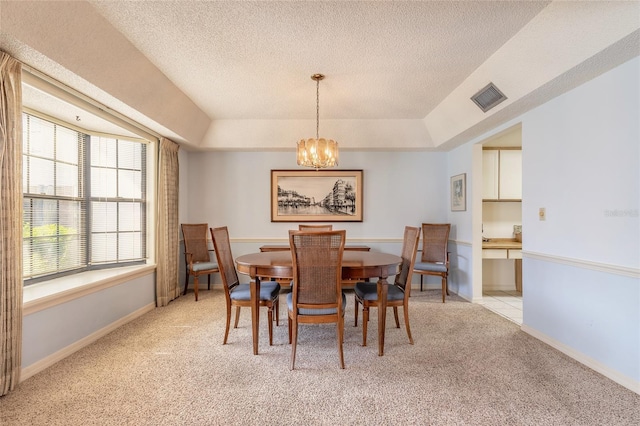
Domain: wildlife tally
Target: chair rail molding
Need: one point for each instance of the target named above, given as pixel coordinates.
(585, 264)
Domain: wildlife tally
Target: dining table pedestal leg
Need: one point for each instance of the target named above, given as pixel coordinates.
(382, 312)
(255, 312)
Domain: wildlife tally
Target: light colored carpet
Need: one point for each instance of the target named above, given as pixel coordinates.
(468, 366)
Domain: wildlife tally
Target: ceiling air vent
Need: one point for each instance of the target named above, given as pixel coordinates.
(488, 97)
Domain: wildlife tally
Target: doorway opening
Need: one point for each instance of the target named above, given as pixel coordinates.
(501, 228)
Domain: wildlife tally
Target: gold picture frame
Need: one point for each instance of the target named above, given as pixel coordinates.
(316, 195)
(459, 193)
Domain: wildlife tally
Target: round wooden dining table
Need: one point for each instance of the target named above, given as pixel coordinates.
(355, 265)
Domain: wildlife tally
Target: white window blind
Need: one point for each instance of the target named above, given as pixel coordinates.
(84, 200)
(54, 237)
(117, 200)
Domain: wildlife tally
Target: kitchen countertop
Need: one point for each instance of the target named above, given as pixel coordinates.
(502, 243)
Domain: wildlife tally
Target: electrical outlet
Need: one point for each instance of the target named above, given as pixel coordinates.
(542, 214)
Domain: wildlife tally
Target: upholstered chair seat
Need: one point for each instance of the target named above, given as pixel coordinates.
(203, 266)
(430, 266)
(369, 291)
(268, 291)
(304, 311)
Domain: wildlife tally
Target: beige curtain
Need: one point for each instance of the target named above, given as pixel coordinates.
(10, 222)
(167, 287)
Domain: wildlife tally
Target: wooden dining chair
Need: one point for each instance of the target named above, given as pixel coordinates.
(237, 294)
(315, 227)
(317, 296)
(197, 256)
(435, 257)
(366, 294)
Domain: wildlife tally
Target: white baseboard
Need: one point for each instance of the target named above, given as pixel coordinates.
(583, 359)
(48, 361)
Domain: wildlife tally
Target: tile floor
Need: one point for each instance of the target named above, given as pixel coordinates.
(505, 303)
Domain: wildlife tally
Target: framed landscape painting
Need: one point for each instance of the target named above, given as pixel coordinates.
(316, 195)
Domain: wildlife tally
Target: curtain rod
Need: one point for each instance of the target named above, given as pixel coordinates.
(40, 80)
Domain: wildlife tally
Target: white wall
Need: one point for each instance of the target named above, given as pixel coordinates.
(581, 161)
(461, 271)
(582, 151)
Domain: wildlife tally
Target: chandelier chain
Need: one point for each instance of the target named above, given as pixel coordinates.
(318, 109)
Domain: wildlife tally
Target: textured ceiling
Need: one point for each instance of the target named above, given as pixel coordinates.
(235, 75)
(253, 60)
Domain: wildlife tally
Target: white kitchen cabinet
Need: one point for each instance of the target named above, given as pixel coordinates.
(490, 174)
(502, 174)
(515, 254)
(501, 253)
(495, 254)
(510, 178)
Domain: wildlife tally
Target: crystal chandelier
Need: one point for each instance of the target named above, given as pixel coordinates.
(318, 153)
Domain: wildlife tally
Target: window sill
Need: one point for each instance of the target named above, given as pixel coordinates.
(37, 297)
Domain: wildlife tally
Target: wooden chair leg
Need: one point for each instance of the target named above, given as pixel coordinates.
(421, 281)
(195, 286)
(444, 288)
(186, 283)
(294, 343)
(226, 329)
(365, 320)
(340, 326)
(290, 325)
(270, 321)
(235, 325)
(405, 308)
(395, 315)
(208, 281)
(357, 308)
(277, 303)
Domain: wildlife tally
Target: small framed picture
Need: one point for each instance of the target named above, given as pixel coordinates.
(459, 193)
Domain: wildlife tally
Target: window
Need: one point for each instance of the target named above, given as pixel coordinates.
(84, 200)
(117, 200)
